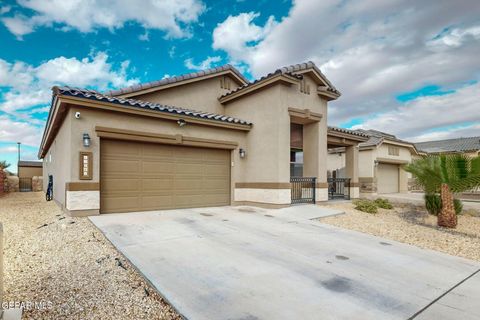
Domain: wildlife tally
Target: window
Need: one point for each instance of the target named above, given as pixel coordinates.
(296, 163)
(393, 151)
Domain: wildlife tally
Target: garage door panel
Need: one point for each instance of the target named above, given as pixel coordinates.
(155, 176)
(387, 178)
(184, 168)
(119, 204)
(120, 149)
(158, 184)
(120, 166)
(157, 167)
(155, 201)
(118, 184)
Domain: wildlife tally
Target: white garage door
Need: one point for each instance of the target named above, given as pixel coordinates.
(387, 178)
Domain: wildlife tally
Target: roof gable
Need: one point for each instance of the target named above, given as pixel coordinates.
(153, 86)
(290, 74)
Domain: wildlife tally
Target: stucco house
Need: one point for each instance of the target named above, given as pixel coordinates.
(381, 160)
(29, 168)
(208, 138)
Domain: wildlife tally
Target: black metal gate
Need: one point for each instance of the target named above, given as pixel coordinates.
(25, 184)
(303, 189)
(338, 188)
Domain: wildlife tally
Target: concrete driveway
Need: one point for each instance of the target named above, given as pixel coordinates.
(250, 263)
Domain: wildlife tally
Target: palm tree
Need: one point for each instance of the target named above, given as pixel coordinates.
(4, 165)
(446, 174)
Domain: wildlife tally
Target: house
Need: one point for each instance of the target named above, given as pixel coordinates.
(469, 146)
(381, 160)
(29, 169)
(209, 138)
(30, 175)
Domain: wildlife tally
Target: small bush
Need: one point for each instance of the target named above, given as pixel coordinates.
(458, 205)
(365, 206)
(433, 203)
(383, 203)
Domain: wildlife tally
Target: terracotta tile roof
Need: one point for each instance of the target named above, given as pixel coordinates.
(94, 95)
(268, 76)
(348, 131)
(294, 68)
(30, 163)
(292, 72)
(377, 137)
(159, 83)
(450, 145)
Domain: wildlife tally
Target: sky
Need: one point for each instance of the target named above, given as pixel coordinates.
(410, 68)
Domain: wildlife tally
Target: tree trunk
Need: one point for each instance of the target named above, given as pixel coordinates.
(447, 217)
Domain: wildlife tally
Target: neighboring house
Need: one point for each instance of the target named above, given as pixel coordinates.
(30, 174)
(29, 169)
(381, 161)
(209, 138)
(469, 146)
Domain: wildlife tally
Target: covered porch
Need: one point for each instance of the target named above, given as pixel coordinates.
(343, 184)
(310, 180)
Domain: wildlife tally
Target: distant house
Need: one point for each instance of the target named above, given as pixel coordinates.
(29, 169)
(380, 160)
(469, 146)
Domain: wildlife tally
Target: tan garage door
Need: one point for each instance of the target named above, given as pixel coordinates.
(139, 176)
(387, 178)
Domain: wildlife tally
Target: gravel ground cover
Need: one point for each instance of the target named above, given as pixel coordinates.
(68, 265)
(414, 226)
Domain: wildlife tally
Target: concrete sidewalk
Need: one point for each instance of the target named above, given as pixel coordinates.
(251, 263)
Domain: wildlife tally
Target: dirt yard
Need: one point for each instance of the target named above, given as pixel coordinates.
(68, 265)
(415, 227)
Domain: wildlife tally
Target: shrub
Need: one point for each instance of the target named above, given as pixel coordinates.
(365, 206)
(383, 203)
(433, 203)
(458, 205)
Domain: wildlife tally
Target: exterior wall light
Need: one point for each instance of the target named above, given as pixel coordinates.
(181, 122)
(243, 153)
(375, 163)
(86, 140)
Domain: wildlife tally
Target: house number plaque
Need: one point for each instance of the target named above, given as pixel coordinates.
(86, 165)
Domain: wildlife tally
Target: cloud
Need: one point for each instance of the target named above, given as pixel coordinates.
(234, 34)
(370, 50)
(435, 116)
(26, 90)
(208, 63)
(172, 17)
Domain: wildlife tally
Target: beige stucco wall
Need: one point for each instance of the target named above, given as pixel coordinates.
(268, 143)
(58, 161)
(200, 96)
(28, 172)
(336, 161)
(366, 163)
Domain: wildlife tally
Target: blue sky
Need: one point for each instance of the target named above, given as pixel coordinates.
(407, 68)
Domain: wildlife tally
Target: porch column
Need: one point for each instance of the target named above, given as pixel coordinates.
(315, 157)
(351, 170)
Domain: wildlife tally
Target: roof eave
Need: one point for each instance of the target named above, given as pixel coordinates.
(61, 101)
(136, 92)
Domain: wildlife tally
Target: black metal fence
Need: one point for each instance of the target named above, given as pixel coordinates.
(25, 184)
(303, 189)
(338, 188)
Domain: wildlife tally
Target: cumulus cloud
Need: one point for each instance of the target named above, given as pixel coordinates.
(371, 50)
(173, 17)
(428, 114)
(208, 63)
(26, 90)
